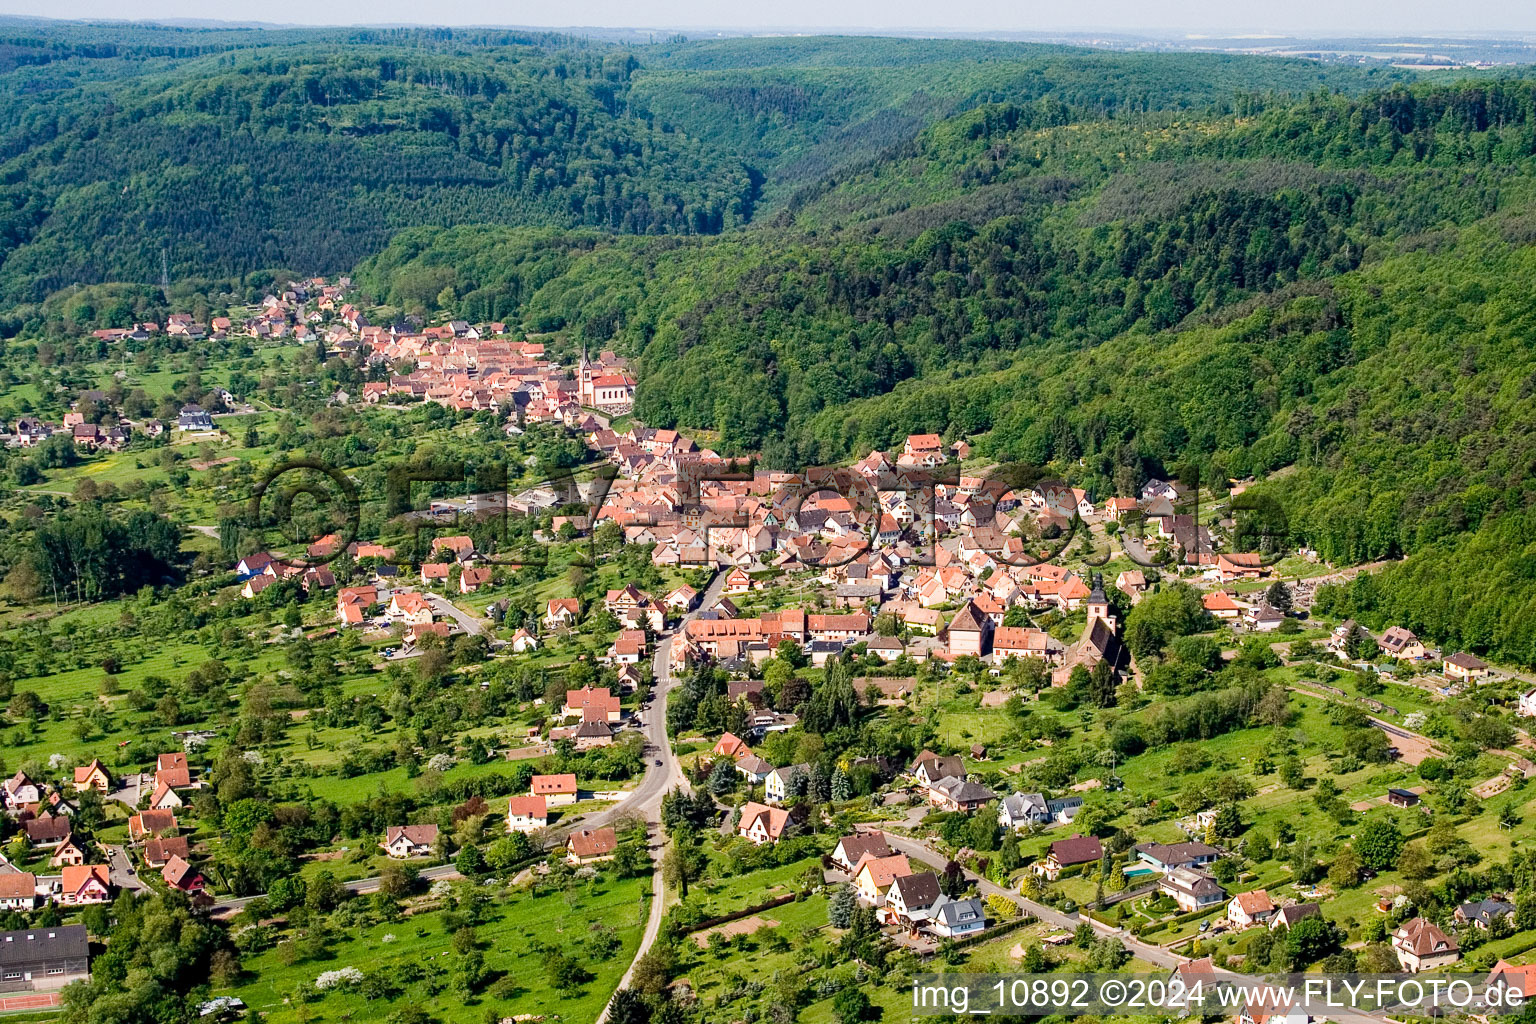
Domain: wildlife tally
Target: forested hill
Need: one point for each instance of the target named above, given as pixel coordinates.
(313, 159)
(231, 150)
(797, 109)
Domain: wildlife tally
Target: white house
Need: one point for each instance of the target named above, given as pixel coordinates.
(954, 919)
(1249, 908)
(1527, 708)
(402, 841)
(1022, 809)
(779, 784)
(526, 813)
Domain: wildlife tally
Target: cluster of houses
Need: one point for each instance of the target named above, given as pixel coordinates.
(472, 368)
(45, 815)
(387, 598)
(526, 813)
(906, 899)
(91, 435)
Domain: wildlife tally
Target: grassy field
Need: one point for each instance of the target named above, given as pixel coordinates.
(517, 933)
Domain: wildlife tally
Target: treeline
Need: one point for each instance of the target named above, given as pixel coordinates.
(85, 554)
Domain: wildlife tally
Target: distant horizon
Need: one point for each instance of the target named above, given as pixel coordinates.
(1228, 24)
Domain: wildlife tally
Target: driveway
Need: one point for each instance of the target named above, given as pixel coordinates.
(446, 609)
(121, 873)
(131, 789)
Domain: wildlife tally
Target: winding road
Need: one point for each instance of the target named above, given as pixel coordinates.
(646, 799)
(643, 801)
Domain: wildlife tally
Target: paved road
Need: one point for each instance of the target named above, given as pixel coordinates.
(131, 788)
(442, 607)
(121, 873)
(658, 780)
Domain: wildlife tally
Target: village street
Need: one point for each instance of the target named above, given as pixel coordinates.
(646, 798)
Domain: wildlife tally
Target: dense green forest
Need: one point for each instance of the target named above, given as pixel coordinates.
(227, 151)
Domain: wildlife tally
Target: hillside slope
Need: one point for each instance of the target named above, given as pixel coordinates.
(231, 150)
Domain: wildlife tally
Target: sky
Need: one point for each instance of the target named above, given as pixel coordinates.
(1293, 17)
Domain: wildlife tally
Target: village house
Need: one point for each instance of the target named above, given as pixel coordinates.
(1192, 890)
(1285, 917)
(730, 745)
(1527, 705)
(410, 608)
(872, 876)
(780, 784)
(1024, 809)
(1221, 606)
(472, 579)
(1506, 976)
(929, 768)
(93, 776)
(1066, 853)
(850, 850)
(592, 703)
(158, 852)
(1401, 643)
(460, 548)
(1167, 858)
(954, 793)
(591, 846)
(1249, 908)
(591, 733)
(910, 899)
(557, 790)
(1272, 1009)
(761, 824)
(47, 831)
(83, 884)
(526, 813)
(352, 604)
(970, 633)
(42, 959)
(164, 798)
(1484, 913)
(18, 891)
(149, 824)
(1465, 667)
(402, 841)
(1421, 945)
(70, 851)
(194, 417)
(1241, 566)
(19, 790)
(562, 613)
(923, 450)
(754, 769)
(954, 919)
(182, 876)
(1025, 642)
